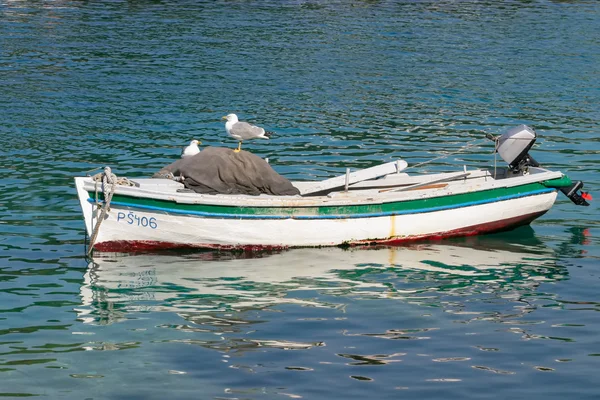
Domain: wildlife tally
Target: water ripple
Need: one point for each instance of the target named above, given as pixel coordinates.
(343, 84)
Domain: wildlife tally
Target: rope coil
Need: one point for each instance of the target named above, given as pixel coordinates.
(109, 183)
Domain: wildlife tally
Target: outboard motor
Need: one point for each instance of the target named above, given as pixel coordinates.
(571, 193)
(514, 145)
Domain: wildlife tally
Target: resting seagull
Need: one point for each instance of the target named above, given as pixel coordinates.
(243, 130)
(191, 150)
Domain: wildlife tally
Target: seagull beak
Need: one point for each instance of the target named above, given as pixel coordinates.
(225, 117)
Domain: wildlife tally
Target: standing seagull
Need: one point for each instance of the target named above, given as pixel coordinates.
(243, 130)
(191, 150)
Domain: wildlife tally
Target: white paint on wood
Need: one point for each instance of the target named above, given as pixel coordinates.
(354, 177)
(197, 230)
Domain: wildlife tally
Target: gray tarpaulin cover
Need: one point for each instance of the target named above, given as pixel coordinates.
(220, 170)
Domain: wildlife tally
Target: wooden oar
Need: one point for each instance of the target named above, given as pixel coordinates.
(354, 177)
(432, 186)
(423, 185)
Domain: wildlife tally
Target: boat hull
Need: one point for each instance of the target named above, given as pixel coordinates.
(130, 228)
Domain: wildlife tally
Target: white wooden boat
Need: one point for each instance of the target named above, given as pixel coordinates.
(379, 205)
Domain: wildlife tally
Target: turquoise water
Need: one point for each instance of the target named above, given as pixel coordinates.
(343, 84)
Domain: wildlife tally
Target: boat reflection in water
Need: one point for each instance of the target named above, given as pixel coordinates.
(221, 292)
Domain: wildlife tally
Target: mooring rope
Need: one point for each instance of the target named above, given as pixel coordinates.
(109, 184)
(496, 145)
(467, 146)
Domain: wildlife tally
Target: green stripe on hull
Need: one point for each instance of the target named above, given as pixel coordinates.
(564, 181)
(397, 206)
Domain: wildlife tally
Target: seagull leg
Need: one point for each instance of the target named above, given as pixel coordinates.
(239, 147)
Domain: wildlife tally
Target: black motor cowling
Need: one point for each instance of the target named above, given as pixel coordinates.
(572, 193)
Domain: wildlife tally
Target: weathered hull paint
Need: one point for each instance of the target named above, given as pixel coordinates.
(133, 246)
(155, 245)
(331, 212)
(492, 227)
(174, 230)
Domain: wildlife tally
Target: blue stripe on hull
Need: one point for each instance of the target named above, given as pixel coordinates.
(347, 216)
